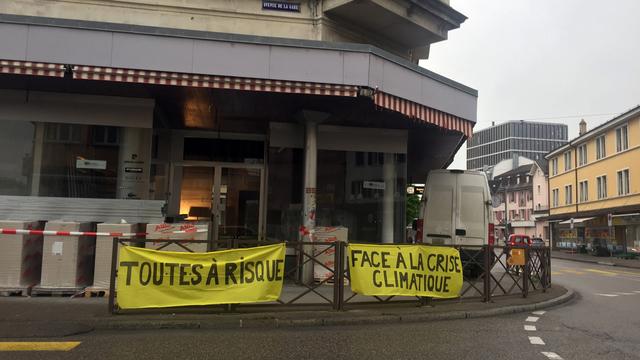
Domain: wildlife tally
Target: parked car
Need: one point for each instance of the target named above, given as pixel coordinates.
(519, 240)
(537, 242)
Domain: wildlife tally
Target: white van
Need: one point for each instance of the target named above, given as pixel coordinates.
(456, 210)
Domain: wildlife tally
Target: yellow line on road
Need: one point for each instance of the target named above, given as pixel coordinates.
(609, 273)
(575, 272)
(39, 346)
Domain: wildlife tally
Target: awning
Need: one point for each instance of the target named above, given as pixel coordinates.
(31, 68)
(424, 113)
(406, 107)
(576, 220)
(213, 82)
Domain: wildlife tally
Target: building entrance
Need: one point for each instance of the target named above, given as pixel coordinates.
(227, 195)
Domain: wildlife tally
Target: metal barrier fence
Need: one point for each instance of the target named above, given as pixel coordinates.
(487, 272)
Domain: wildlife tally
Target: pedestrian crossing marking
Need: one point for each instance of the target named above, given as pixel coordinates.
(532, 319)
(38, 346)
(551, 355)
(536, 340)
(530, 328)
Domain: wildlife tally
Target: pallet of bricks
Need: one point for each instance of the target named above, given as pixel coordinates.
(20, 258)
(67, 261)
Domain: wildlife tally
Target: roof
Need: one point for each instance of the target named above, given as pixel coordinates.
(635, 111)
(522, 169)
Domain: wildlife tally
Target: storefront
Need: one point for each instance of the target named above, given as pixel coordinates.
(225, 134)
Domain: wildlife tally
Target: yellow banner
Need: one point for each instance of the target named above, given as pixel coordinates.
(154, 279)
(406, 270)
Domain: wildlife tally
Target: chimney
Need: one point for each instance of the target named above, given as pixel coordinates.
(583, 127)
(493, 123)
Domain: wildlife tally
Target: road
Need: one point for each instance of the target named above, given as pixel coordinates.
(602, 323)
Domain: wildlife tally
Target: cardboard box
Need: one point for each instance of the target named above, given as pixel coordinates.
(20, 255)
(67, 261)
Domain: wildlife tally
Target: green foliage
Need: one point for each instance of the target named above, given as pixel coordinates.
(413, 207)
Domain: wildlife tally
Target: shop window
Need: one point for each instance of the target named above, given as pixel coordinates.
(284, 204)
(59, 160)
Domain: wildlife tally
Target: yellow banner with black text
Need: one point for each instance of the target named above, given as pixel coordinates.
(154, 279)
(405, 270)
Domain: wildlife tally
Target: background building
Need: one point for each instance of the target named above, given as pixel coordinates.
(519, 198)
(595, 188)
(262, 120)
(532, 140)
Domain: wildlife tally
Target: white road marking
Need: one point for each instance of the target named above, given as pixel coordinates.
(551, 355)
(624, 293)
(532, 319)
(608, 295)
(530, 328)
(539, 312)
(636, 291)
(536, 340)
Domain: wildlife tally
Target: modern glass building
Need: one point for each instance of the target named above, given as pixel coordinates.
(533, 140)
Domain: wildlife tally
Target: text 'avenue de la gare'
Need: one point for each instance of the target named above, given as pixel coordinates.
(194, 274)
(411, 271)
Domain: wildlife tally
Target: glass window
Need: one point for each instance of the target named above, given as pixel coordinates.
(584, 191)
(602, 186)
(623, 182)
(284, 205)
(568, 198)
(600, 147)
(567, 161)
(16, 157)
(622, 141)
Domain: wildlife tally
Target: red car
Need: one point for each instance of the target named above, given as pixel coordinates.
(519, 240)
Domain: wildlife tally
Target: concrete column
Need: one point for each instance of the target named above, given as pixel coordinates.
(389, 172)
(311, 119)
(134, 163)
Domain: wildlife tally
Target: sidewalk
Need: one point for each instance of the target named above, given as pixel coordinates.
(611, 261)
(55, 316)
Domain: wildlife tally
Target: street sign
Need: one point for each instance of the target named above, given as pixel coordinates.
(609, 219)
(571, 223)
(411, 190)
(375, 185)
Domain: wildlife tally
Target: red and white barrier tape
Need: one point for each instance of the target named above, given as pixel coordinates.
(90, 233)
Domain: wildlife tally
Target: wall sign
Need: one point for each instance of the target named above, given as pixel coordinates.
(91, 164)
(376, 185)
(281, 6)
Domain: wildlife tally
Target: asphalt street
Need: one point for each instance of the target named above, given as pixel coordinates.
(602, 323)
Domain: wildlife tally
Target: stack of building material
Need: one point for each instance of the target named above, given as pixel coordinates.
(67, 261)
(324, 235)
(104, 251)
(177, 231)
(20, 258)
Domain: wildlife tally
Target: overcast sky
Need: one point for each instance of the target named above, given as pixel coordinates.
(548, 60)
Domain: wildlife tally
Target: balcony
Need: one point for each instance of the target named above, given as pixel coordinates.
(413, 24)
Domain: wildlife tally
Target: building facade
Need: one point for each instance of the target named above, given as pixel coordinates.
(519, 198)
(532, 140)
(257, 119)
(595, 190)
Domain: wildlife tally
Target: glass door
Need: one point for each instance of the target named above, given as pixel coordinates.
(227, 195)
(239, 203)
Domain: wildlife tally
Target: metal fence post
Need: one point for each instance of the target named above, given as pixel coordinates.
(114, 273)
(487, 273)
(338, 271)
(525, 273)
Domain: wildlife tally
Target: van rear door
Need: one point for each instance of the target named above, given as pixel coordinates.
(471, 224)
(439, 210)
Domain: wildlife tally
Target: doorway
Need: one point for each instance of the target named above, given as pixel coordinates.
(229, 196)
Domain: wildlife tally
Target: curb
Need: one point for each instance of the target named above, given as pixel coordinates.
(331, 321)
(595, 262)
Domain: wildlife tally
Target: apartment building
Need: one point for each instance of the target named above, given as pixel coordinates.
(594, 188)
